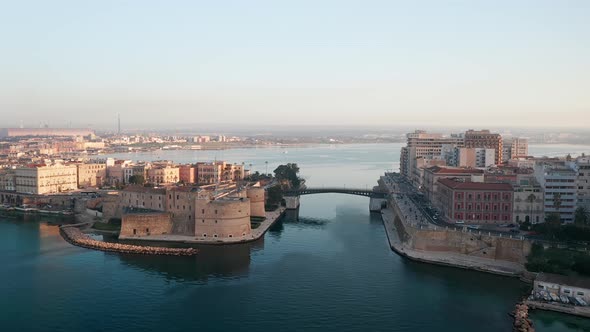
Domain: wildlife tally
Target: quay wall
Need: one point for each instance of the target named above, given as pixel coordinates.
(467, 242)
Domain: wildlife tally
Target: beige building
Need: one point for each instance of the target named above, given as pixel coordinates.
(163, 175)
(91, 175)
(143, 197)
(46, 179)
(515, 148)
(7, 180)
(528, 203)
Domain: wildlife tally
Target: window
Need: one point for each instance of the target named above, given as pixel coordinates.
(566, 291)
(147, 230)
(203, 211)
(581, 293)
(215, 211)
(134, 231)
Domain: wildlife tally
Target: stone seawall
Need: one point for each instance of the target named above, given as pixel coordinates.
(73, 235)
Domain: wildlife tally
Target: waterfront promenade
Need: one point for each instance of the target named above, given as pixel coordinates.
(257, 233)
(445, 258)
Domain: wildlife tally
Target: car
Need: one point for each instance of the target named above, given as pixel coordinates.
(459, 222)
(511, 225)
(514, 231)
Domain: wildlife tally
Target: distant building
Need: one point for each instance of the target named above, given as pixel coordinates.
(529, 202)
(474, 157)
(581, 166)
(163, 175)
(427, 145)
(559, 184)
(475, 202)
(187, 173)
(50, 132)
(485, 139)
(433, 174)
(91, 174)
(515, 148)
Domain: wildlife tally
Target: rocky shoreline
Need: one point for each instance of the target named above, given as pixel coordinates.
(73, 235)
(522, 323)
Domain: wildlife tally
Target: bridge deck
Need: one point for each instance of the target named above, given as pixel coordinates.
(349, 191)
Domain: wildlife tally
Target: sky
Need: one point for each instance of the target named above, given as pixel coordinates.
(323, 62)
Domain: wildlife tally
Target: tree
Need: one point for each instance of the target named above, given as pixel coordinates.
(288, 173)
(274, 195)
(137, 179)
(553, 219)
(531, 199)
(581, 216)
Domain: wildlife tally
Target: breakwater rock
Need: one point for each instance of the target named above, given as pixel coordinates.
(73, 235)
(522, 323)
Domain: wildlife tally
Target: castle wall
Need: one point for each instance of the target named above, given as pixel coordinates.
(257, 198)
(142, 224)
(222, 218)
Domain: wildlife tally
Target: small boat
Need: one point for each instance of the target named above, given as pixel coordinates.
(564, 299)
(580, 301)
(554, 297)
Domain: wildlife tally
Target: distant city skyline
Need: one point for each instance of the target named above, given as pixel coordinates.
(334, 63)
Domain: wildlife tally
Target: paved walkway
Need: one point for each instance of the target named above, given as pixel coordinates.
(271, 218)
(446, 258)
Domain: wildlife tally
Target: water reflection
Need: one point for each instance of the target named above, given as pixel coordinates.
(212, 262)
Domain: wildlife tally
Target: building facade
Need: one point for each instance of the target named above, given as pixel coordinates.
(559, 184)
(91, 175)
(485, 139)
(435, 173)
(427, 145)
(475, 203)
(529, 203)
(43, 179)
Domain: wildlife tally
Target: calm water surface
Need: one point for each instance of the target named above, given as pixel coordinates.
(329, 270)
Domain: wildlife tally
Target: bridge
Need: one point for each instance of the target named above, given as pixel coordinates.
(377, 202)
(333, 190)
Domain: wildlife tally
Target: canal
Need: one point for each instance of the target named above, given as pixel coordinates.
(329, 270)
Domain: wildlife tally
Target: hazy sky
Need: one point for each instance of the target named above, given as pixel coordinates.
(472, 63)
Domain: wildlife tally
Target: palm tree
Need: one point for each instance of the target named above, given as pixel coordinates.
(531, 199)
(581, 216)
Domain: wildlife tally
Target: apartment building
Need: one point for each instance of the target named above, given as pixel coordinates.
(485, 139)
(559, 184)
(427, 145)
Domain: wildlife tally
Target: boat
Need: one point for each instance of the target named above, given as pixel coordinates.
(554, 297)
(564, 299)
(581, 301)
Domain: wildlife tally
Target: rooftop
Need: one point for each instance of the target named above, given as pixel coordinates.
(580, 282)
(454, 184)
(454, 170)
(146, 190)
